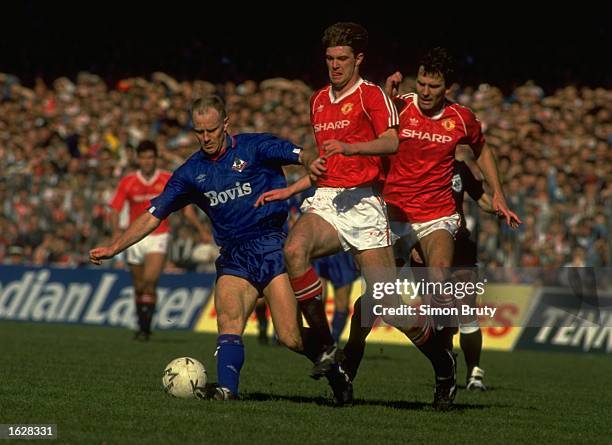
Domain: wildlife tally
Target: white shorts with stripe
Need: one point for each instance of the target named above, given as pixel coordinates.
(358, 214)
(149, 244)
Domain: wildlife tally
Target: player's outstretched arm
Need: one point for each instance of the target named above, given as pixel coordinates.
(488, 165)
(141, 227)
(485, 203)
(464, 153)
(285, 193)
(386, 143)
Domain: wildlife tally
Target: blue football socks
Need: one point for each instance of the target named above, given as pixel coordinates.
(230, 358)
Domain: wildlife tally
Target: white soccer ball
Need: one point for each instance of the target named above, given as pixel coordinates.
(182, 376)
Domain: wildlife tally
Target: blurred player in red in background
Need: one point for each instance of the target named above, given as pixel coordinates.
(147, 257)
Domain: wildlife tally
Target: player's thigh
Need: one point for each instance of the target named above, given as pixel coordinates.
(235, 300)
(376, 265)
(377, 268)
(283, 309)
(313, 236)
(153, 266)
(438, 248)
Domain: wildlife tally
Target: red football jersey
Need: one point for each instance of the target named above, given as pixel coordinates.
(359, 115)
(418, 181)
(138, 191)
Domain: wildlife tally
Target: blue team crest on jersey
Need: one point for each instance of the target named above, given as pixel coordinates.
(239, 164)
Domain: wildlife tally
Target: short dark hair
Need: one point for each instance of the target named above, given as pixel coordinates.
(201, 104)
(346, 34)
(146, 145)
(439, 61)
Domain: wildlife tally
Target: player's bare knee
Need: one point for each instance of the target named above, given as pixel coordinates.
(295, 255)
(229, 323)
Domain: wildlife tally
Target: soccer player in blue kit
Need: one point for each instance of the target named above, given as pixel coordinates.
(225, 178)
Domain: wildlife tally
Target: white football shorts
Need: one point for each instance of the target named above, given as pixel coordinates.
(149, 244)
(358, 214)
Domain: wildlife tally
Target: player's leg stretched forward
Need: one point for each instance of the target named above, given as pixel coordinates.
(235, 300)
(311, 237)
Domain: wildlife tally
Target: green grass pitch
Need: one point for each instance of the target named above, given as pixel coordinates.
(99, 386)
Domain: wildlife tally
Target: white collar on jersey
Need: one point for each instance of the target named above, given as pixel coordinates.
(351, 90)
(435, 117)
(148, 181)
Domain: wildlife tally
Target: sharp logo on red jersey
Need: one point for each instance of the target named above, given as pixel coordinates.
(449, 124)
(346, 108)
(332, 125)
(424, 136)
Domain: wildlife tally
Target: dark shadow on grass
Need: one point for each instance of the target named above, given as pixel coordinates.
(496, 388)
(378, 358)
(266, 397)
(395, 404)
(419, 406)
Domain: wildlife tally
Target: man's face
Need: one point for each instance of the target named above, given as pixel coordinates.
(147, 162)
(210, 131)
(342, 66)
(431, 90)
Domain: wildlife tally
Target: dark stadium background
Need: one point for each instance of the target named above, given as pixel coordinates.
(220, 41)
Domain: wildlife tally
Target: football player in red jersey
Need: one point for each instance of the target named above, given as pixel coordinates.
(354, 122)
(467, 177)
(417, 185)
(418, 182)
(147, 257)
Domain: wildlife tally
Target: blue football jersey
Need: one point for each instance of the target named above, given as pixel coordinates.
(226, 188)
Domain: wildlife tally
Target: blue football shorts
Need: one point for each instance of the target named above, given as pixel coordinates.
(257, 259)
(340, 269)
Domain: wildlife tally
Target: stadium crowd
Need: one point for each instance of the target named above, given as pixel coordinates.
(64, 147)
